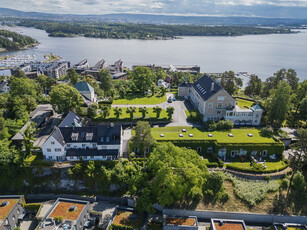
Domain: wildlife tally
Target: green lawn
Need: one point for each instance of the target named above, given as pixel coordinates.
(137, 115)
(239, 135)
(140, 100)
(244, 103)
(270, 165)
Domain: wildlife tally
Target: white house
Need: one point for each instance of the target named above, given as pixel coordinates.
(215, 103)
(87, 91)
(70, 141)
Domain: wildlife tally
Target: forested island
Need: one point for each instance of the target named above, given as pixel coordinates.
(143, 31)
(12, 41)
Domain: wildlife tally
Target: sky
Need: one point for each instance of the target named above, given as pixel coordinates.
(265, 8)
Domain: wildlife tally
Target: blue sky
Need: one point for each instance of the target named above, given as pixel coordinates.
(266, 8)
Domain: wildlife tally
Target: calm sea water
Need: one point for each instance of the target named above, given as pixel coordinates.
(258, 54)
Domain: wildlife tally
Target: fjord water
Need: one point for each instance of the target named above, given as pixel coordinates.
(258, 54)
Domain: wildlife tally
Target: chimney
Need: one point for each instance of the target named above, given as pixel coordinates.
(112, 125)
(212, 86)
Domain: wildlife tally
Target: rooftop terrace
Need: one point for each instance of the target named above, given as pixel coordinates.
(7, 208)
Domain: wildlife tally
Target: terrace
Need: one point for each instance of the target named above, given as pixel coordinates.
(172, 222)
(64, 214)
(227, 224)
(244, 135)
(128, 218)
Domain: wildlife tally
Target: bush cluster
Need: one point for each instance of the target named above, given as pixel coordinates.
(255, 169)
(220, 125)
(32, 206)
(195, 116)
(120, 227)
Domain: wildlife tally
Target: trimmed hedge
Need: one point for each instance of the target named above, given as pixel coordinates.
(212, 165)
(120, 227)
(237, 168)
(32, 206)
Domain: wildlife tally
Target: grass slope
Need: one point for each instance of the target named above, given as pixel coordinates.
(244, 103)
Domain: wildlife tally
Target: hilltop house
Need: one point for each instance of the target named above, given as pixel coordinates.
(215, 103)
(70, 141)
(87, 92)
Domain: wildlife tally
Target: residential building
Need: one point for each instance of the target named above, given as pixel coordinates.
(66, 214)
(216, 104)
(4, 87)
(11, 211)
(87, 91)
(103, 142)
(222, 224)
(162, 83)
(81, 66)
(71, 120)
(179, 222)
(57, 69)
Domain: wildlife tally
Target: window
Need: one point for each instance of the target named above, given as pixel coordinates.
(233, 153)
(68, 145)
(48, 150)
(108, 139)
(210, 104)
(94, 145)
(13, 218)
(199, 149)
(92, 157)
(147, 150)
(83, 145)
(18, 211)
(256, 121)
(209, 150)
(218, 112)
(50, 157)
(221, 98)
(265, 153)
(101, 139)
(71, 158)
(257, 115)
(219, 105)
(52, 142)
(136, 150)
(57, 150)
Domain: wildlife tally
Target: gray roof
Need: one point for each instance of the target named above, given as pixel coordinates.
(58, 136)
(70, 120)
(83, 86)
(203, 87)
(183, 84)
(2, 84)
(256, 107)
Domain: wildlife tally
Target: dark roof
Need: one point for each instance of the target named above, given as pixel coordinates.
(83, 86)
(58, 136)
(91, 152)
(70, 120)
(203, 87)
(100, 134)
(183, 84)
(2, 84)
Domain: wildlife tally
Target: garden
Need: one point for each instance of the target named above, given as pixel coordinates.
(141, 100)
(265, 167)
(127, 220)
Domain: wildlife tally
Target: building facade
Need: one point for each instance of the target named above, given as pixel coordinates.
(12, 208)
(214, 103)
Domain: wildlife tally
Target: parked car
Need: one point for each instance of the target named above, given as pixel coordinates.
(170, 100)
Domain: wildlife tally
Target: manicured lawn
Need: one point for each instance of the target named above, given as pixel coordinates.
(127, 218)
(270, 165)
(140, 100)
(136, 116)
(244, 103)
(239, 135)
(62, 210)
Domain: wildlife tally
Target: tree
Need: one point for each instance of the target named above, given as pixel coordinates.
(65, 98)
(175, 174)
(163, 90)
(20, 87)
(299, 156)
(143, 138)
(299, 95)
(105, 111)
(131, 110)
(157, 110)
(72, 76)
(117, 112)
(170, 112)
(144, 111)
(278, 104)
(20, 73)
(142, 77)
(92, 110)
(254, 86)
(29, 138)
(4, 134)
(106, 81)
(230, 82)
(303, 109)
(45, 82)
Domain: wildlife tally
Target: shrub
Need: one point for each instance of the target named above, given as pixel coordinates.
(220, 163)
(212, 165)
(32, 206)
(267, 178)
(221, 125)
(267, 131)
(224, 197)
(194, 116)
(58, 219)
(285, 183)
(120, 227)
(298, 182)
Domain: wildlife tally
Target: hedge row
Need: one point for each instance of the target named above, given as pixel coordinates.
(238, 168)
(212, 165)
(120, 227)
(32, 206)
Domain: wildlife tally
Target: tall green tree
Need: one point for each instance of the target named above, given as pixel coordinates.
(72, 76)
(92, 110)
(65, 98)
(143, 138)
(105, 111)
(131, 110)
(299, 95)
(117, 112)
(254, 86)
(142, 77)
(29, 138)
(157, 110)
(106, 81)
(20, 74)
(45, 82)
(230, 82)
(4, 134)
(278, 104)
(170, 111)
(23, 86)
(144, 111)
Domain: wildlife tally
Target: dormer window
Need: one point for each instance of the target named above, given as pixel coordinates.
(74, 136)
(89, 136)
(3, 203)
(101, 139)
(108, 139)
